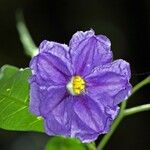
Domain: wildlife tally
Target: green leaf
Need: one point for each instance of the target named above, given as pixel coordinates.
(25, 37)
(5, 73)
(14, 101)
(61, 143)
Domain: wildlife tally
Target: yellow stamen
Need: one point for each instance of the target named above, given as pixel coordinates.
(76, 85)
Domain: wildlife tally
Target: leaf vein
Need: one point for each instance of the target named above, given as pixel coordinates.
(14, 99)
(2, 110)
(11, 114)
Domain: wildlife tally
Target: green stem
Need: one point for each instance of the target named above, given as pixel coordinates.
(25, 37)
(106, 138)
(91, 146)
(113, 128)
(141, 84)
(136, 109)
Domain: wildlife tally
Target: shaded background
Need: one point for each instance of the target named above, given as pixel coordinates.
(125, 22)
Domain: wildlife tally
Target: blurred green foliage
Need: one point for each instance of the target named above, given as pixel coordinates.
(25, 37)
(61, 143)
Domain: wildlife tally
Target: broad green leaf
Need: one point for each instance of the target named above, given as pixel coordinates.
(25, 37)
(5, 73)
(14, 101)
(61, 143)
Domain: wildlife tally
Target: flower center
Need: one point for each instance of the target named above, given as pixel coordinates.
(76, 85)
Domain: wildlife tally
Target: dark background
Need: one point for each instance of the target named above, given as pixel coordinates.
(125, 22)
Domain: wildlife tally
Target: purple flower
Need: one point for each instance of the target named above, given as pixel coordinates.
(77, 88)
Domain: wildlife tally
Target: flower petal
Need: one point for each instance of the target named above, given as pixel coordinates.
(57, 49)
(92, 118)
(52, 63)
(58, 122)
(112, 80)
(44, 99)
(81, 131)
(88, 51)
(50, 98)
(34, 99)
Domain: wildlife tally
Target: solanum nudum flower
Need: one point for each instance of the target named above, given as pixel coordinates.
(77, 88)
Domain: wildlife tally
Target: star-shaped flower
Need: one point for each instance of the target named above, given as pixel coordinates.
(77, 88)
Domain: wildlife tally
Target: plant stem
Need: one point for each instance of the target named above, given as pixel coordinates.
(91, 146)
(25, 37)
(141, 84)
(113, 128)
(136, 109)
